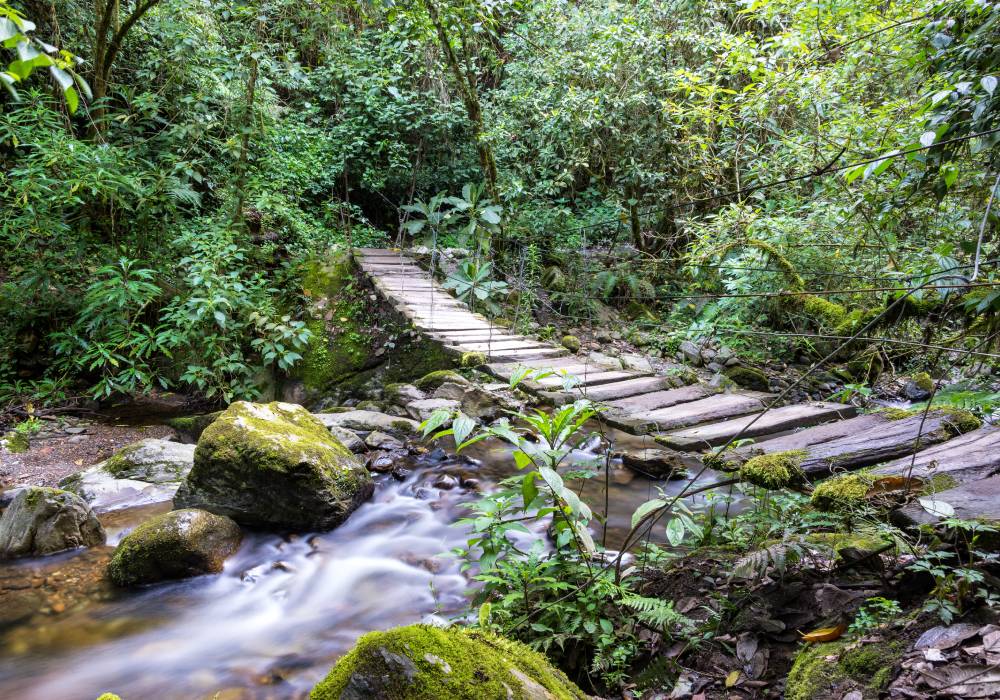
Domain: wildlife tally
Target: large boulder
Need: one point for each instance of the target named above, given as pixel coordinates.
(423, 662)
(151, 460)
(145, 472)
(274, 465)
(173, 545)
(45, 520)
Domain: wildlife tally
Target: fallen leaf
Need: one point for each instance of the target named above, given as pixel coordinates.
(78, 462)
(732, 679)
(937, 508)
(945, 637)
(965, 680)
(888, 484)
(991, 642)
(824, 634)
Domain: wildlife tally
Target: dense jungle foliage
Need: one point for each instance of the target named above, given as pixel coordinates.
(169, 165)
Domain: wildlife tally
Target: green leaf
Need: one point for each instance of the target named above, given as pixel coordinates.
(8, 30)
(485, 611)
(521, 459)
(529, 491)
(463, 426)
(435, 421)
(647, 508)
(675, 532)
(989, 83)
(64, 79)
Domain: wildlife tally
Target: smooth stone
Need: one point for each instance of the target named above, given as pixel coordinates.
(368, 421)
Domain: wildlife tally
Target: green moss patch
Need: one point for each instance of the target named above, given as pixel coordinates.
(432, 380)
(843, 492)
(957, 421)
(835, 668)
(421, 662)
(775, 471)
(748, 377)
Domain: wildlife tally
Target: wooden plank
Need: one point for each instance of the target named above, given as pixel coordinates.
(607, 392)
(712, 408)
(460, 337)
(661, 399)
(966, 458)
(975, 500)
(536, 353)
(775, 420)
(502, 345)
(590, 378)
(855, 443)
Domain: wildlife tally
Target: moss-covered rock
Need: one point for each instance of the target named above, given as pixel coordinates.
(432, 380)
(748, 377)
(178, 544)
(429, 663)
(776, 470)
(340, 344)
(43, 520)
(833, 669)
(843, 492)
(571, 343)
(274, 465)
(151, 460)
(191, 427)
(473, 359)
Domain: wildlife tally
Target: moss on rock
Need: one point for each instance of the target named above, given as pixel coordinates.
(842, 492)
(421, 662)
(340, 344)
(748, 377)
(193, 426)
(957, 421)
(571, 343)
(274, 465)
(835, 668)
(432, 380)
(923, 381)
(173, 545)
(16, 442)
(774, 471)
(473, 359)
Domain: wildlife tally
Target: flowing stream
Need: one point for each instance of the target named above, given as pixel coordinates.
(283, 610)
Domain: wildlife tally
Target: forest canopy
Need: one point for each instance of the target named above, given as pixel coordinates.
(171, 166)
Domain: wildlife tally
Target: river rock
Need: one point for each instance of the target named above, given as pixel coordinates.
(348, 438)
(151, 460)
(690, 352)
(432, 380)
(44, 520)
(274, 465)
(424, 662)
(173, 545)
(657, 463)
(422, 410)
(105, 493)
(378, 440)
(368, 421)
(402, 393)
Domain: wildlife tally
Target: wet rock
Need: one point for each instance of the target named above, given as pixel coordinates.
(368, 421)
(919, 387)
(451, 390)
(191, 427)
(423, 662)
(422, 410)
(381, 461)
(45, 520)
(274, 465)
(348, 439)
(690, 352)
(105, 493)
(658, 463)
(174, 545)
(151, 460)
(445, 482)
(382, 441)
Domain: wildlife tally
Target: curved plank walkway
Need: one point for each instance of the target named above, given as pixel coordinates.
(696, 417)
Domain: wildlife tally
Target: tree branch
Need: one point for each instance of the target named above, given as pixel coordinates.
(116, 41)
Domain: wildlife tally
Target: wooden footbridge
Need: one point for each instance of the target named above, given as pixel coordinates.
(698, 417)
